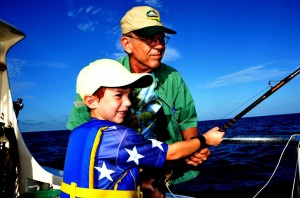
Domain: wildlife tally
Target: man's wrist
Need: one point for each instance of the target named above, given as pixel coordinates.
(202, 140)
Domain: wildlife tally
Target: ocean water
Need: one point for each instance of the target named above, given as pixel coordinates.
(234, 169)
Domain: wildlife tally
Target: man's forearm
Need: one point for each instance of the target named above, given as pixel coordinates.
(189, 133)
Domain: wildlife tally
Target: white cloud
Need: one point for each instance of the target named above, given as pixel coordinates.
(250, 74)
(96, 11)
(153, 3)
(171, 54)
(17, 86)
(88, 9)
(121, 53)
(87, 16)
(89, 26)
(115, 31)
(16, 66)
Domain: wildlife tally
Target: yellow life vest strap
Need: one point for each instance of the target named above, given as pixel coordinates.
(93, 155)
(75, 191)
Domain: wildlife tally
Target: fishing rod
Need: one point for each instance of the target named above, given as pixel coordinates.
(259, 100)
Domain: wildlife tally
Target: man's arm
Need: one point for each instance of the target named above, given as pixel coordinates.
(199, 156)
(189, 133)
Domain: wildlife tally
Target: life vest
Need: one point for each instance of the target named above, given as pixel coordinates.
(80, 181)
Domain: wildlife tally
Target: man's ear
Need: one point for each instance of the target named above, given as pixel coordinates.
(90, 101)
(126, 44)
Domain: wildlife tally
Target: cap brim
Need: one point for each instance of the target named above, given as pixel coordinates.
(151, 30)
(136, 80)
(144, 81)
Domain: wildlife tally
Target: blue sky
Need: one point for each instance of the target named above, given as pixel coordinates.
(227, 52)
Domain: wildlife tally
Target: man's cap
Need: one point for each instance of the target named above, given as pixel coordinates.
(143, 21)
(108, 73)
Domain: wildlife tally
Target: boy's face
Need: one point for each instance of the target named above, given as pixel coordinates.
(114, 104)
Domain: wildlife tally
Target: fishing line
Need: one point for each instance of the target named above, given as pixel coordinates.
(224, 117)
(270, 85)
(292, 136)
(167, 185)
(272, 90)
(296, 170)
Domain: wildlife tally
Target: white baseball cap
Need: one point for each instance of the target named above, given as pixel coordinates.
(108, 73)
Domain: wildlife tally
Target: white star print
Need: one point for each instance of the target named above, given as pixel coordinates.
(134, 155)
(104, 172)
(156, 143)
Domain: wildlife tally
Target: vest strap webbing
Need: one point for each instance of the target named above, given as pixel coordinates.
(75, 191)
(93, 155)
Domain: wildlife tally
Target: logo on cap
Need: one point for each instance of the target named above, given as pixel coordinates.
(151, 14)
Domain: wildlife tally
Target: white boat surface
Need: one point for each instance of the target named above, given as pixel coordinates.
(30, 175)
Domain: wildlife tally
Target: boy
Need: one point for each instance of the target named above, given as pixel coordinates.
(104, 157)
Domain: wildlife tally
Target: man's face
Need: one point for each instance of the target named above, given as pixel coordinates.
(146, 52)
